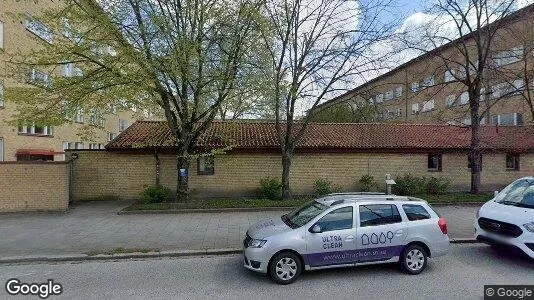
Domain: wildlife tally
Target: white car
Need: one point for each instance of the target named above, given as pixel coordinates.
(508, 219)
(354, 230)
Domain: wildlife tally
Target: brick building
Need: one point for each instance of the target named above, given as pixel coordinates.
(425, 90)
(341, 153)
(30, 141)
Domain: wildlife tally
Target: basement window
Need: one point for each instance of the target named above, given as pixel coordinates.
(512, 162)
(434, 162)
(205, 165)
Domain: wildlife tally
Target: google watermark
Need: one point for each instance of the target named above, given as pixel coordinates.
(508, 292)
(44, 290)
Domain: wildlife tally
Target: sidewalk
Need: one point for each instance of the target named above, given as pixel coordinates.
(96, 226)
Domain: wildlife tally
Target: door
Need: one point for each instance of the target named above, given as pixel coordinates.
(381, 232)
(335, 243)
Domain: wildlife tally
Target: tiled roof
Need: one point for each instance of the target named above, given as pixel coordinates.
(262, 135)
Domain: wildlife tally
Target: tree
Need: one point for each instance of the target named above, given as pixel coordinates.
(345, 112)
(317, 48)
(179, 55)
(470, 28)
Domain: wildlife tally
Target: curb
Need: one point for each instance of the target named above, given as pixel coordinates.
(102, 257)
(250, 209)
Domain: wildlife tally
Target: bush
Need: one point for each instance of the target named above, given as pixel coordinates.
(412, 185)
(409, 185)
(323, 187)
(154, 194)
(271, 188)
(367, 183)
(437, 186)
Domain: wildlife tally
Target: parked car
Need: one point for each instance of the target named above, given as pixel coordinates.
(508, 218)
(354, 230)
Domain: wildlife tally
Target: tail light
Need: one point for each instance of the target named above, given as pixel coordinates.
(442, 223)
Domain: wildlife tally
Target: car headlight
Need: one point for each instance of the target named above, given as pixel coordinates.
(253, 243)
(529, 226)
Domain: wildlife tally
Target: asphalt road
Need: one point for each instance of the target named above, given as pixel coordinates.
(459, 275)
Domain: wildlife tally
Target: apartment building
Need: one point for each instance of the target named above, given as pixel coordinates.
(427, 90)
(30, 141)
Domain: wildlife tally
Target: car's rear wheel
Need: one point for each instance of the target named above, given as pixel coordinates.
(285, 267)
(413, 259)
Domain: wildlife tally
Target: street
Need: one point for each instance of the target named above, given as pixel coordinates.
(461, 274)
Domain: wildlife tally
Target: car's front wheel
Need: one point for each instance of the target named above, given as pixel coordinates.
(285, 267)
(413, 259)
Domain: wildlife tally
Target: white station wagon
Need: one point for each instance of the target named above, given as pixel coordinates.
(343, 230)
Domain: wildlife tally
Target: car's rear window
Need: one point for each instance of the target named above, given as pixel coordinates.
(415, 212)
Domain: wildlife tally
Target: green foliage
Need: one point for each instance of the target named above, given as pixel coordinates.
(323, 187)
(271, 188)
(413, 185)
(367, 183)
(154, 194)
(437, 186)
(344, 113)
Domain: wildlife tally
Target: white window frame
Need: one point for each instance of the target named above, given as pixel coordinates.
(111, 136)
(78, 145)
(398, 112)
(450, 101)
(464, 98)
(428, 105)
(448, 76)
(1, 149)
(415, 108)
(38, 77)
(38, 28)
(65, 146)
(388, 95)
(398, 92)
(429, 81)
(79, 118)
(1, 35)
(415, 87)
(379, 98)
(2, 103)
(510, 56)
(123, 124)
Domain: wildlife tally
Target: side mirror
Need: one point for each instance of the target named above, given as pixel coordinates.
(495, 193)
(315, 229)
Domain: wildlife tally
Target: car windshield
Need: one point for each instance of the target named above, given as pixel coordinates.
(304, 214)
(520, 193)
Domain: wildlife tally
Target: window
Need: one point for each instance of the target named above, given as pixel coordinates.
(123, 124)
(415, 87)
(512, 162)
(415, 212)
(450, 100)
(498, 90)
(338, 219)
(96, 118)
(39, 78)
(509, 56)
(467, 121)
(429, 81)
(379, 214)
(507, 119)
(35, 129)
(415, 108)
(449, 76)
(464, 98)
(434, 162)
(398, 92)
(111, 136)
(388, 95)
(94, 146)
(65, 146)
(428, 106)
(205, 165)
(39, 29)
(1, 149)
(482, 95)
(79, 116)
(1, 93)
(379, 98)
(112, 108)
(398, 112)
(78, 145)
(1, 35)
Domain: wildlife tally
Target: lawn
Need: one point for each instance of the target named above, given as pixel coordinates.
(253, 203)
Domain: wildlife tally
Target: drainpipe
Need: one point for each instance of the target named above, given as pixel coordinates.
(157, 167)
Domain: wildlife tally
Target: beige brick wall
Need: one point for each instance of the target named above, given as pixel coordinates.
(33, 186)
(103, 175)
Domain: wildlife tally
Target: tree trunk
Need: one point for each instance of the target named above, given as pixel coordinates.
(182, 184)
(475, 160)
(287, 157)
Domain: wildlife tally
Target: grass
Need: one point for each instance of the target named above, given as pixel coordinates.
(258, 203)
(121, 250)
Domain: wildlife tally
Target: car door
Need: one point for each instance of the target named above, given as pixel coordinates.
(381, 232)
(335, 243)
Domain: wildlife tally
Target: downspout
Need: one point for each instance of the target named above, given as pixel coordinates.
(157, 166)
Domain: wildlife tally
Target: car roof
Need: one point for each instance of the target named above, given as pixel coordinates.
(383, 198)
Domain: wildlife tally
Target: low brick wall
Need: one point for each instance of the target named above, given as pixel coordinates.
(108, 175)
(34, 186)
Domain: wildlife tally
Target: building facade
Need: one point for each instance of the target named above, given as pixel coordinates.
(427, 89)
(20, 31)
